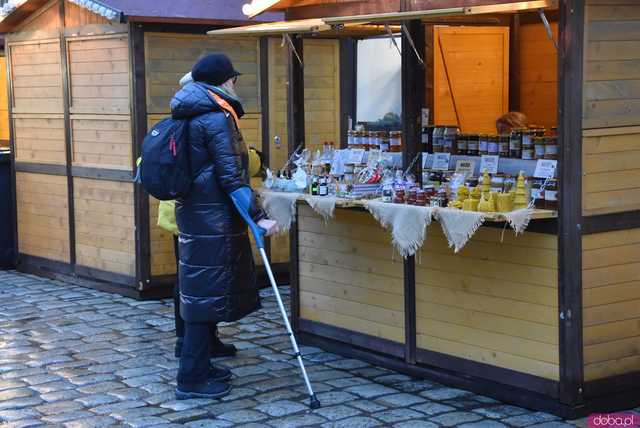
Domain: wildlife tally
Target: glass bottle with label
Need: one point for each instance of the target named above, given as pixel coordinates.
(503, 146)
(449, 139)
(323, 184)
(483, 144)
(462, 144)
(538, 147)
(436, 143)
(515, 144)
(472, 144)
(427, 139)
(492, 145)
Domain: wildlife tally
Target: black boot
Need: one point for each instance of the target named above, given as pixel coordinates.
(219, 349)
(211, 389)
(178, 349)
(219, 374)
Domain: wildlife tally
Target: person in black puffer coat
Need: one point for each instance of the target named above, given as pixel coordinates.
(216, 272)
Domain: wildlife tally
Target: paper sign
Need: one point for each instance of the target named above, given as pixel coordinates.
(489, 163)
(425, 117)
(545, 168)
(441, 161)
(425, 160)
(355, 156)
(466, 167)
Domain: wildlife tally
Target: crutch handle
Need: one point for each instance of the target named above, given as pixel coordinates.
(242, 200)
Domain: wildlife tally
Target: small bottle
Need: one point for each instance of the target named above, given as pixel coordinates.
(538, 147)
(515, 144)
(472, 145)
(383, 137)
(503, 146)
(449, 139)
(323, 185)
(463, 144)
(395, 141)
(483, 144)
(492, 145)
(314, 185)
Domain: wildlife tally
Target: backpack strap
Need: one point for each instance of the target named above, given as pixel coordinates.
(224, 105)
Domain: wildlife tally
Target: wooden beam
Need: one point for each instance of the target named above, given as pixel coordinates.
(514, 63)
(264, 115)
(138, 132)
(348, 87)
(296, 136)
(570, 72)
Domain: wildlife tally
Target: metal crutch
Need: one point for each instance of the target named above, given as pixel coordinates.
(242, 200)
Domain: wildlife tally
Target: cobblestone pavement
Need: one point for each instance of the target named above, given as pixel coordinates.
(75, 357)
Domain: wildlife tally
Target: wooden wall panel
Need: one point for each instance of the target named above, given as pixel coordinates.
(538, 65)
(4, 104)
(46, 18)
(349, 276)
(611, 299)
(105, 226)
(39, 139)
(36, 77)
(168, 56)
(43, 216)
(102, 141)
(99, 70)
(612, 64)
(76, 16)
(476, 61)
(611, 170)
(494, 302)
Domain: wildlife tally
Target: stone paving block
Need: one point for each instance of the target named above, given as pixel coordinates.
(347, 364)
(94, 400)
(243, 416)
(415, 424)
(138, 412)
(67, 394)
(335, 397)
(281, 408)
(347, 381)
(209, 423)
(397, 415)
(530, 419)
(20, 403)
(296, 421)
(499, 412)
(59, 407)
(355, 422)
(553, 424)
(401, 400)
(10, 394)
(66, 417)
(101, 387)
(371, 390)
(146, 421)
(129, 393)
(14, 415)
(177, 405)
(107, 409)
(11, 384)
(432, 409)
(184, 416)
(455, 418)
(440, 394)
(93, 422)
(23, 423)
(334, 413)
(484, 424)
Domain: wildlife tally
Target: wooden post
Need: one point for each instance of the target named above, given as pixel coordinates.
(264, 115)
(66, 95)
(348, 87)
(570, 72)
(296, 136)
(514, 63)
(413, 100)
(139, 130)
(12, 146)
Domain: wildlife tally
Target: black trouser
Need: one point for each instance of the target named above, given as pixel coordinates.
(194, 361)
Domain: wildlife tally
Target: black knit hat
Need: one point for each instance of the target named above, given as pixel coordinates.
(214, 69)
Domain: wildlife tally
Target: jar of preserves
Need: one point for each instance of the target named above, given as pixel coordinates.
(436, 143)
(383, 137)
(527, 135)
(449, 139)
(462, 144)
(351, 138)
(538, 147)
(427, 139)
(515, 144)
(483, 144)
(374, 142)
(503, 146)
(472, 145)
(395, 141)
(551, 195)
(493, 145)
(551, 148)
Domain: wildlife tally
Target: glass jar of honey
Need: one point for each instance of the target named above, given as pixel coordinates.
(493, 145)
(551, 148)
(503, 146)
(483, 144)
(395, 141)
(472, 145)
(538, 147)
(515, 144)
(551, 195)
(462, 144)
(383, 137)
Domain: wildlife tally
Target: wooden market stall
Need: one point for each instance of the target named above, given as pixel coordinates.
(549, 319)
(86, 80)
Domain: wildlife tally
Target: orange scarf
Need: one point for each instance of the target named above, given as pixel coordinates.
(224, 105)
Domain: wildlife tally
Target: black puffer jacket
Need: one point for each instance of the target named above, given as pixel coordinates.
(217, 274)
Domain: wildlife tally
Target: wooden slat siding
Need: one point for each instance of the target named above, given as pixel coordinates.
(105, 228)
(46, 18)
(481, 52)
(538, 65)
(612, 66)
(101, 142)
(611, 164)
(43, 216)
(39, 65)
(39, 139)
(495, 302)
(169, 56)
(4, 103)
(611, 296)
(350, 283)
(99, 70)
(76, 16)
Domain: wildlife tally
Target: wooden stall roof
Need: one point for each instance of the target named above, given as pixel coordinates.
(317, 8)
(213, 12)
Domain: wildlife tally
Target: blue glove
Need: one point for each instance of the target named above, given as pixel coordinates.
(242, 200)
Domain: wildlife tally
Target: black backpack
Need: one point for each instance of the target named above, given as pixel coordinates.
(163, 168)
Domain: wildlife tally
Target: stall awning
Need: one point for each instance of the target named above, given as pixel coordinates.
(324, 25)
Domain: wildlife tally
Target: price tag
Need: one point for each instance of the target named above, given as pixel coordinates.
(441, 161)
(466, 167)
(356, 156)
(545, 168)
(489, 163)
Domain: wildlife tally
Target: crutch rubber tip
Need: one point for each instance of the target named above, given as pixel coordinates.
(314, 403)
